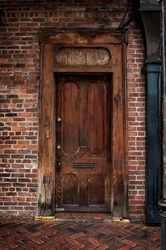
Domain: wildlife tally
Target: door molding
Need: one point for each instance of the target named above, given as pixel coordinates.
(51, 42)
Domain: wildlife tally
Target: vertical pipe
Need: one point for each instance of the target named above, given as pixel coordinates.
(162, 202)
(163, 37)
(163, 45)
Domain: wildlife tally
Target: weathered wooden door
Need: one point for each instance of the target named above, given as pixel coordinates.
(83, 145)
(82, 156)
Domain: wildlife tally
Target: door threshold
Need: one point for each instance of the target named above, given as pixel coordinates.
(82, 216)
(83, 209)
(89, 217)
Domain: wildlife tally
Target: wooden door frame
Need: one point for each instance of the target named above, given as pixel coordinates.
(50, 40)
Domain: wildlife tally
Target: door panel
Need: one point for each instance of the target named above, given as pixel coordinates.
(69, 114)
(96, 118)
(83, 167)
(96, 189)
(70, 189)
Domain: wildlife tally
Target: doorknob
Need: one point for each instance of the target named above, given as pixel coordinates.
(59, 119)
(58, 147)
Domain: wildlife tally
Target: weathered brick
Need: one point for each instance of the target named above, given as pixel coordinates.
(20, 80)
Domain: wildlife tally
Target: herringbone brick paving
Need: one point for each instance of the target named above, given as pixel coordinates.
(78, 234)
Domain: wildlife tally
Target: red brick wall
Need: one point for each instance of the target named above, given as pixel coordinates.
(136, 125)
(19, 94)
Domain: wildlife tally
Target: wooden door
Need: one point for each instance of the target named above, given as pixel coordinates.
(108, 167)
(83, 145)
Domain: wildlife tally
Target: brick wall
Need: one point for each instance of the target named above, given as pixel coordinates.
(136, 125)
(19, 94)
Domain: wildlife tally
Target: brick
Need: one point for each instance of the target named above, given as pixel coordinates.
(19, 83)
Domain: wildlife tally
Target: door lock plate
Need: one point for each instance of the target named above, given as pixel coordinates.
(47, 134)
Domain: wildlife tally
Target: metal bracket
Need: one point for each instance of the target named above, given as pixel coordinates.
(47, 134)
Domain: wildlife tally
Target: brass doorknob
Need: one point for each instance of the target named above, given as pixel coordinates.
(58, 147)
(59, 119)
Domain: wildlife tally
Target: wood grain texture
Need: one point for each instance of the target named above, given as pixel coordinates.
(70, 116)
(119, 172)
(96, 118)
(68, 36)
(110, 165)
(82, 56)
(86, 96)
(96, 188)
(47, 147)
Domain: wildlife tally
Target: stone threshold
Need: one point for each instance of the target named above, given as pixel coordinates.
(81, 216)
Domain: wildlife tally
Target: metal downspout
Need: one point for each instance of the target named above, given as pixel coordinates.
(162, 202)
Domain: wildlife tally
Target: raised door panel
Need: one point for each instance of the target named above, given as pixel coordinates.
(70, 115)
(96, 118)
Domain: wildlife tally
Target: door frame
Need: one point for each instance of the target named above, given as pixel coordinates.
(51, 40)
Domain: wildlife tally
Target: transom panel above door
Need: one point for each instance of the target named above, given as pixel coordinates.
(82, 122)
(83, 152)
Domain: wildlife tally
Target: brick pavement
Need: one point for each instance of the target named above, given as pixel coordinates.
(77, 233)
